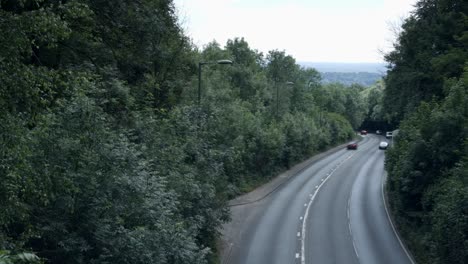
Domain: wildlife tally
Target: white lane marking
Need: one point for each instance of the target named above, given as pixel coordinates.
(349, 219)
(349, 226)
(355, 250)
(348, 209)
(393, 227)
(304, 223)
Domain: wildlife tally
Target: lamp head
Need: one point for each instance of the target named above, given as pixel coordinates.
(224, 62)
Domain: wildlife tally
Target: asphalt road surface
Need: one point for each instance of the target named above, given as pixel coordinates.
(331, 212)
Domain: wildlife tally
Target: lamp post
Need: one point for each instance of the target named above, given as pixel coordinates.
(277, 96)
(200, 64)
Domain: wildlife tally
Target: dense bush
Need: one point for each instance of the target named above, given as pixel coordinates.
(427, 92)
(428, 180)
(106, 156)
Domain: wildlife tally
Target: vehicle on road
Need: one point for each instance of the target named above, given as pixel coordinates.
(352, 145)
(383, 145)
(389, 135)
(378, 132)
(363, 132)
(333, 221)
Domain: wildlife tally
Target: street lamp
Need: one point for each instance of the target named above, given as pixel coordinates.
(277, 96)
(200, 64)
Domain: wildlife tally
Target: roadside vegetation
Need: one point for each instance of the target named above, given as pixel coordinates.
(426, 95)
(106, 155)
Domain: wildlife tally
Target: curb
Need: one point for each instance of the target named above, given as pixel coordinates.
(275, 183)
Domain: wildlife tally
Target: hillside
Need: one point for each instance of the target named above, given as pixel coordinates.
(349, 78)
(378, 68)
(347, 74)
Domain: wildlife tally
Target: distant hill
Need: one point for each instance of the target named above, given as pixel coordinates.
(346, 67)
(349, 78)
(364, 74)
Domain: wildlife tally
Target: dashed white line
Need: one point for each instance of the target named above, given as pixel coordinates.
(304, 223)
(347, 211)
(355, 250)
(349, 225)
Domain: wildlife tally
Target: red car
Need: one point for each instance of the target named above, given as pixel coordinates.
(352, 145)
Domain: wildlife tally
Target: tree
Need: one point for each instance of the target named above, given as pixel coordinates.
(427, 176)
(247, 64)
(431, 47)
(105, 157)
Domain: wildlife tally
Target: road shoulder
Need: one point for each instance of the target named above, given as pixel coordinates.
(240, 207)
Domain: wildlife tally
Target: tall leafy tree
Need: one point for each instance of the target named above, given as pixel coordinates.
(432, 46)
(247, 64)
(426, 93)
(105, 157)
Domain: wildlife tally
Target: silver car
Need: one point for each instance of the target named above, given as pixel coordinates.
(383, 145)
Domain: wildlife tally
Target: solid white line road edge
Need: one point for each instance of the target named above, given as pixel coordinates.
(391, 223)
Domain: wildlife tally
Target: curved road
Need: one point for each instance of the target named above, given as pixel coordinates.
(331, 212)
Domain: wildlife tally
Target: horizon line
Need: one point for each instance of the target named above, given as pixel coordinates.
(359, 62)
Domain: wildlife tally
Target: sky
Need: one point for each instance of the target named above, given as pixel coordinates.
(309, 30)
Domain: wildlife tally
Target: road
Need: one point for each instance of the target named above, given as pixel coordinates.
(331, 212)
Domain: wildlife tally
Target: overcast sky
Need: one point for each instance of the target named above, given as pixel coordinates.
(309, 30)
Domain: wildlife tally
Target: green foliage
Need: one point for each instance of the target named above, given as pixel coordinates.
(374, 101)
(374, 118)
(105, 157)
(428, 179)
(346, 101)
(339, 127)
(281, 67)
(94, 197)
(431, 47)
(427, 91)
(7, 258)
(450, 218)
(247, 63)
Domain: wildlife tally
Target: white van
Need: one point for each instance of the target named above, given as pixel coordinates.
(389, 135)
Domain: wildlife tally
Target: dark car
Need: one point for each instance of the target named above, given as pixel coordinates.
(352, 145)
(363, 132)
